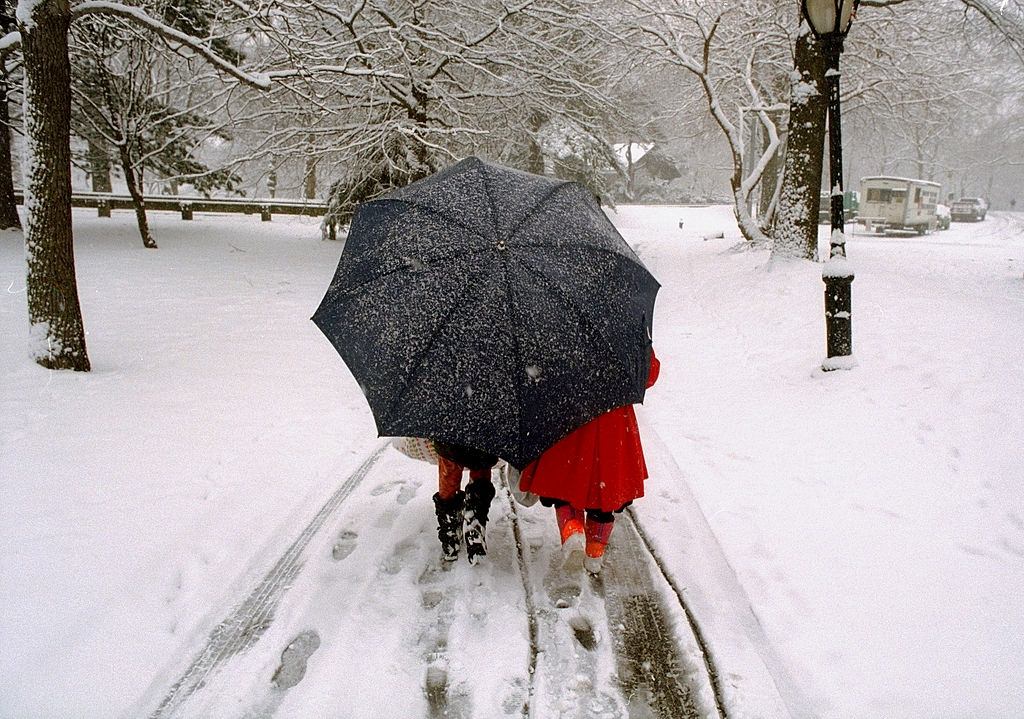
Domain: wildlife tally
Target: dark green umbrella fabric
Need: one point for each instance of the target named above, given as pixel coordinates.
(492, 308)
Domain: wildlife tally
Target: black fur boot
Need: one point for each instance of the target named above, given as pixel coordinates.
(478, 501)
(449, 524)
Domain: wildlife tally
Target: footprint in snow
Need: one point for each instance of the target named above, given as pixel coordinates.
(382, 488)
(406, 491)
(397, 560)
(345, 544)
(584, 631)
(431, 598)
(294, 659)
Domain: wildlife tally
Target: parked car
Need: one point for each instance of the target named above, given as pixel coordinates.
(851, 205)
(969, 209)
(942, 217)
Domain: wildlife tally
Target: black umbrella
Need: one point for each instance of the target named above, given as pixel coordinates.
(490, 307)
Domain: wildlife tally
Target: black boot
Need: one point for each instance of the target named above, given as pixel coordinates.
(449, 524)
(478, 501)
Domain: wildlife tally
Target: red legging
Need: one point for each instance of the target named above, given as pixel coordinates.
(449, 477)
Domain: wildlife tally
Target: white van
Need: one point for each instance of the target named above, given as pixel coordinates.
(898, 203)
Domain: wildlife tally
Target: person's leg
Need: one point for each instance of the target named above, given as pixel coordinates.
(570, 520)
(448, 504)
(479, 493)
(449, 478)
(599, 527)
(570, 529)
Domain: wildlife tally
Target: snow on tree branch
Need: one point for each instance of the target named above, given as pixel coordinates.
(140, 17)
(10, 42)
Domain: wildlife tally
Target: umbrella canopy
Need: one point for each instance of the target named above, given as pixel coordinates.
(492, 308)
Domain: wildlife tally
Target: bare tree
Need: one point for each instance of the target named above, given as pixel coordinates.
(56, 329)
(388, 91)
(141, 101)
(9, 218)
(736, 52)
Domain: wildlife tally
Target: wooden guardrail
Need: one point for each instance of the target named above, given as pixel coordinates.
(265, 208)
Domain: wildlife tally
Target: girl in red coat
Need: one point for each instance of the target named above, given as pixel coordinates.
(587, 475)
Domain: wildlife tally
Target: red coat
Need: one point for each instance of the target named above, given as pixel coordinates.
(597, 466)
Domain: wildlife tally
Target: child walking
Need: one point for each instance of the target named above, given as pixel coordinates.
(589, 475)
(463, 514)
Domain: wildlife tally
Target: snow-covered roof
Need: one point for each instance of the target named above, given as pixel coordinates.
(638, 149)
(900, 179)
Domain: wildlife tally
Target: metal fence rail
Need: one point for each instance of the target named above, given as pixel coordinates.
(266, 208)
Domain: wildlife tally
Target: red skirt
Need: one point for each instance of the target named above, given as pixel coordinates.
(598, 466)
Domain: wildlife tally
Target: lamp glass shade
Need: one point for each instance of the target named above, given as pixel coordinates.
(844, 16)
(822, 14)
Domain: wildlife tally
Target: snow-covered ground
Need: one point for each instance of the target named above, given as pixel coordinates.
(852, 542)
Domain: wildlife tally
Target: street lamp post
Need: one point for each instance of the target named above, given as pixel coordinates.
(830, 21)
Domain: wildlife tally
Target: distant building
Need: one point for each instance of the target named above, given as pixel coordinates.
(649, 173)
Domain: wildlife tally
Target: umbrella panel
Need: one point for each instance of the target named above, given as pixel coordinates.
(489, 199)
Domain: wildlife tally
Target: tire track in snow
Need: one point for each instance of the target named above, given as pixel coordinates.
(604, 646)
(672, 693)
(531, 609)
(241, 629)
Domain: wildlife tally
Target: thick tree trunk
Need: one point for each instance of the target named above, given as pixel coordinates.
(135, 190)
(796, 220)
(8, 205)
(55, 315)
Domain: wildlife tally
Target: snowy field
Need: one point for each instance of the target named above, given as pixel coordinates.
(851, 543)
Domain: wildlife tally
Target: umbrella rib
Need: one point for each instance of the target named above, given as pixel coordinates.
(444, 264)
(525, 221)
(437, 213)
(579, 314)
(569, 303)
(446, 319)
(491, 203)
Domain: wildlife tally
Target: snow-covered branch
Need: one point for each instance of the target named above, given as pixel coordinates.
(171, 35)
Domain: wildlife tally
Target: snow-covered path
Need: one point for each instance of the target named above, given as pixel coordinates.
(552, 643)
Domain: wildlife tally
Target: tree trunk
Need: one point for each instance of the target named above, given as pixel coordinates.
(55, 315)
(630, 172)
(8, 205)
(99, 167)
(309, 178)
(135, 190)
(535, 156)
(768, 199)
(796, 221)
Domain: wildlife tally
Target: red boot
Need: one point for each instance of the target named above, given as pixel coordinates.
(570, 527)
(598, 534)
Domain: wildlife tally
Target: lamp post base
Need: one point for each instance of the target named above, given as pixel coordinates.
(830, 364)
(838, 322)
